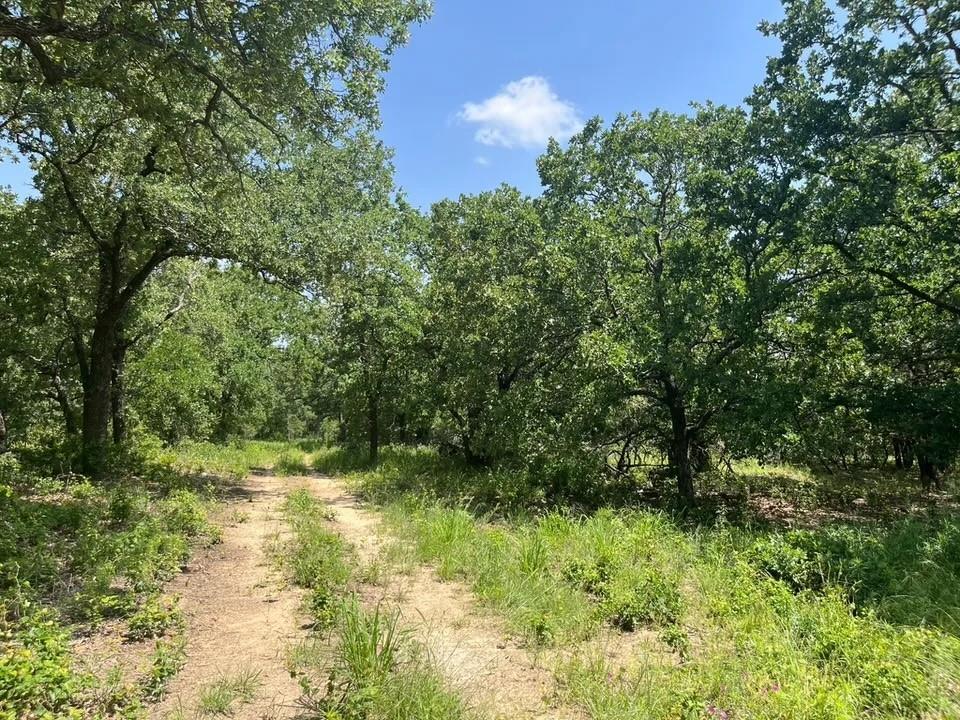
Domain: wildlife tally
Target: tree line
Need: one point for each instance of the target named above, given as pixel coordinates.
(216, 249)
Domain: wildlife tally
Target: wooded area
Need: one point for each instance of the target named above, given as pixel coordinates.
(206, 259)
(217, 252)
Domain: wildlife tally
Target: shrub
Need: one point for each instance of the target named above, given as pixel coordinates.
(641, 596)
(37, 679)
(154, 618)
(786, 558)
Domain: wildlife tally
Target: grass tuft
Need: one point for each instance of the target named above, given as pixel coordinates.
(222, 697)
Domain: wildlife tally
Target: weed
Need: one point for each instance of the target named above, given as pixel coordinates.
(314, 556)
(377, 672)
(374, 670)
(369, 647)
(167, 660)
(238, 517)
(220, 697)
(677, 639)
(37, 677)
(154, 618)
(290, 463)
(72, 554)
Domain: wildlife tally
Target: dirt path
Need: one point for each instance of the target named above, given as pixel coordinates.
(240, 617)
(471, 648)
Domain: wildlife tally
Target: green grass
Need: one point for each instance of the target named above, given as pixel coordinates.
(376, 672)
(506, 570)
(430, 476)
(361, 666)
(224, 695)
(316, 558)
(237, 459)
(847, 620)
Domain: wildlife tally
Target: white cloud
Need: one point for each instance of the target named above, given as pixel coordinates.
(526, 113)
(481, 160)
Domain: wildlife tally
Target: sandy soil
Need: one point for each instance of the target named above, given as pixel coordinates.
(240, 615)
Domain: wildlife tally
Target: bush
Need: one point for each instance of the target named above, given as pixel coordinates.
(641, 596)
(907, 571)
(154, 618)
(37, 679)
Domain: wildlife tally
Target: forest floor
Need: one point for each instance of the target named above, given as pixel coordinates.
(243, 617)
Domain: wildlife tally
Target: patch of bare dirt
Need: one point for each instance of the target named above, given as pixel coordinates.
(105, 649)
(472, 649)
(240, 615)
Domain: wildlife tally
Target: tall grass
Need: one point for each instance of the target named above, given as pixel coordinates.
(239, 458)
(373, 670)
(844, 621)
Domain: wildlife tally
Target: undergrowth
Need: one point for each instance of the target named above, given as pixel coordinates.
(74, 554)
(847, 620)
(360, 665)
(855, 615)
(239, 458)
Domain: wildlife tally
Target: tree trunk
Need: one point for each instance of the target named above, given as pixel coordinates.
(681, 467)
(907, 453)
(118, 398)
(97, 395)
(403, 429)
(373, 427)
(472, 458)
(929, 473)
(3, 432)
(66, 408)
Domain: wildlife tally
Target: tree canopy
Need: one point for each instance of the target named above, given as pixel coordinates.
(217, 249)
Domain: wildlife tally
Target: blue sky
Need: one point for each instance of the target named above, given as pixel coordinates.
(472, 98)
(595, 58)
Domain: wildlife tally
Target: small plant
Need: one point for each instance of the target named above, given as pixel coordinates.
(677, 639)
(641, 596)
(315, 555)
(220, 697)
(116, 698)
(37, 678)
(168, 658)
(183, 512)
(154, 618)
(786, 558)
(369, 646)
(323, 607)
